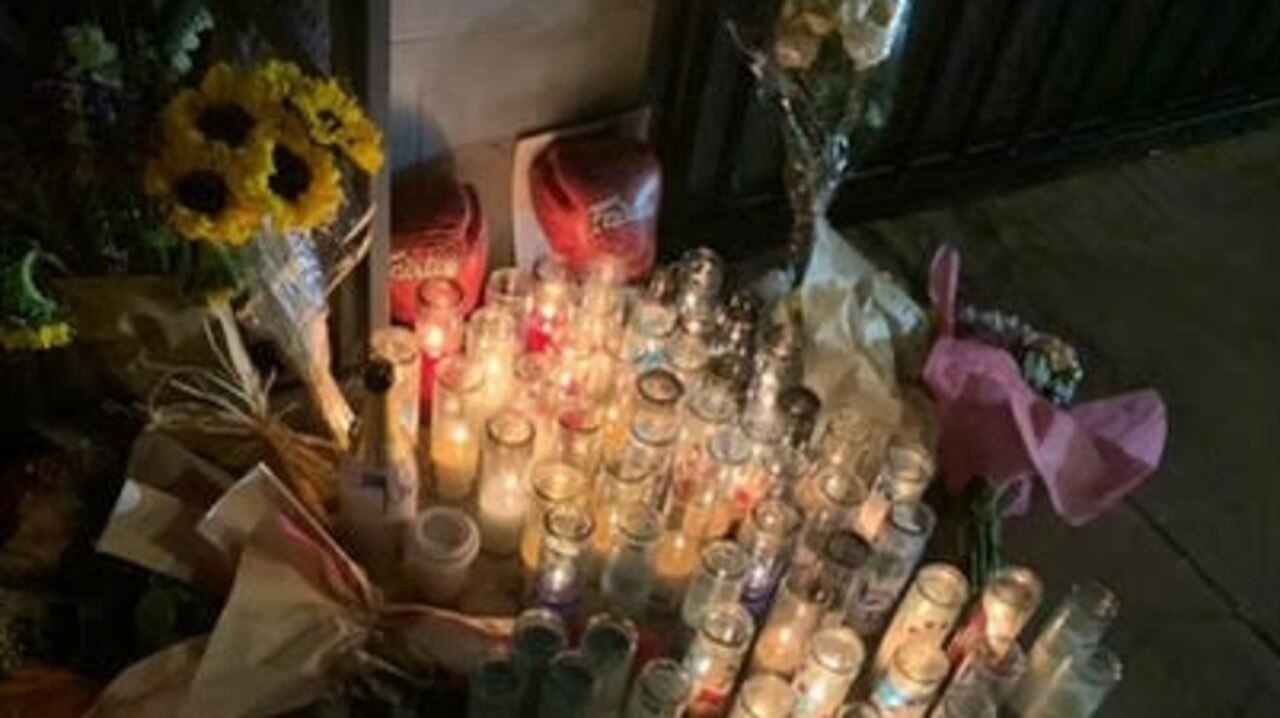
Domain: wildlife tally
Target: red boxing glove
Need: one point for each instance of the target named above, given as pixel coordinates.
(597, 198)
(445, 238)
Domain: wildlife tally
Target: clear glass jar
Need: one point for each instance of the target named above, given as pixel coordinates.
(439, 321)
(493, 690)
(898, 549)
(795, 616)
(440, 547)
(686, 356)
(711, 408)
(580, 438)
(399, 347)
(503, 499)
(736, 321)
(627, 578)
(510, 290)
(851, 446)
(492, 344)
(1076, 628)
(800, 407)
(906, 475)
(655, 415)
(764, 696)
(718, 581)
(928, 611)
(687, 516)
(1008, 602)
(1078, 686)
(570, 683)
(699, 278)
(776, 366)
(661, 690)
(617, 488)
(831, 507)
(835, 657)
(649, 327)
(554, 483)
(531, 394)
(455, 428)
(603, 305)
(610, 642)
(561, 577)
(965, 702)
(715, 657)
(553, 300)
(730, 455)
(537, 637)
(915, 675)
(768, 537)
(982, 672)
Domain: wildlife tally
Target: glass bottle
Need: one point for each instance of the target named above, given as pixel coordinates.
(1076, 628)
(378, 488)
(561, 576)
(907, 471)
(914, 676)
(715, 657)
(493, 690)
(610, 643)
(554, 483)
(768, 537)
(835, 657)
(928, 611)
(510, 290)
(897, 550)
(503, 498)
(1008, 602)
(1078, 686)
(661, 690)
(538, 635)
(492, 345)
(455, 428)
(718, 581)
(580, 439)
(627, 578)
(570, 683)
(764, 696)
(399, 346)
(439, 322)
(553, 300)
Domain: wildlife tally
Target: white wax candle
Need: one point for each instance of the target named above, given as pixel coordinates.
(502, 506)
(455, 455)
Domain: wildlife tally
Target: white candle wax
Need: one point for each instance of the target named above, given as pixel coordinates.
(455, 455)
(502, 507)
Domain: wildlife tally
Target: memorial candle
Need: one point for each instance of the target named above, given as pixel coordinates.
(455, 440)
(764, 696)
(503, 498)
(835, 657)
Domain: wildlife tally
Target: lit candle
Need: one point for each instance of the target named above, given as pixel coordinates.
(1008, 603)
(554, 484)
(764, 696)
(715, 657)
(503, 499)
(492, 343)
(912, 680)
(552, 303)
(438, 326)
(562, 564)
(928, 611)
(795, 615)
(835, 656)
(455, 446)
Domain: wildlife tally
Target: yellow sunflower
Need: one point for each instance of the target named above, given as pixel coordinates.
(335, 119)
(304, 188)
(46, 336)
(209, 190)
(231, 108)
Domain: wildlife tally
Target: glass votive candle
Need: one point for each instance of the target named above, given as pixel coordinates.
(1008, 602)
(649, 326)
(914, 676)
(553, 483)
(861, 709)
(494, 690)
(718, 581)
(800, 407)
(796, 613)
(628, 577)
(965, 702)
(618, 486)
(907, 471)
(687, 357)
(441, 545)
(455, 439)
(399, 347)
(835, 657)
(492, 345)
(655, 416)
(503, 498)
(730, 455)
(531, 394)
(832, 507)
(561, 576)
(699, 278)
(439, 322)
(537, 637)
(898, 548)
(553, 299)
(661, 690)
(1076, 627)
(510, 290)
(764, 696)
(715, 657)
(982, 671)
(768, 537)
(610, 643)
(570, 682)
(928, 611)
(1078, 686)
(580, 438)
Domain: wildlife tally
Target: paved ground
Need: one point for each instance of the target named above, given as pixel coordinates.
(1166, 272)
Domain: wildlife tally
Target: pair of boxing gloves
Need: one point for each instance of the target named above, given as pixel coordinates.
(596, 198)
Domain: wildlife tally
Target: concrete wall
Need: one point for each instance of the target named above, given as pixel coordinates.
(469, 76)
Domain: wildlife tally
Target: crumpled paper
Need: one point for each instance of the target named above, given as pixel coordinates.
(301, 617)
(993, 424)
(863, 331)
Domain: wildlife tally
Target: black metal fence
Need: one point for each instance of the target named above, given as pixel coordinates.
(987, 93)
